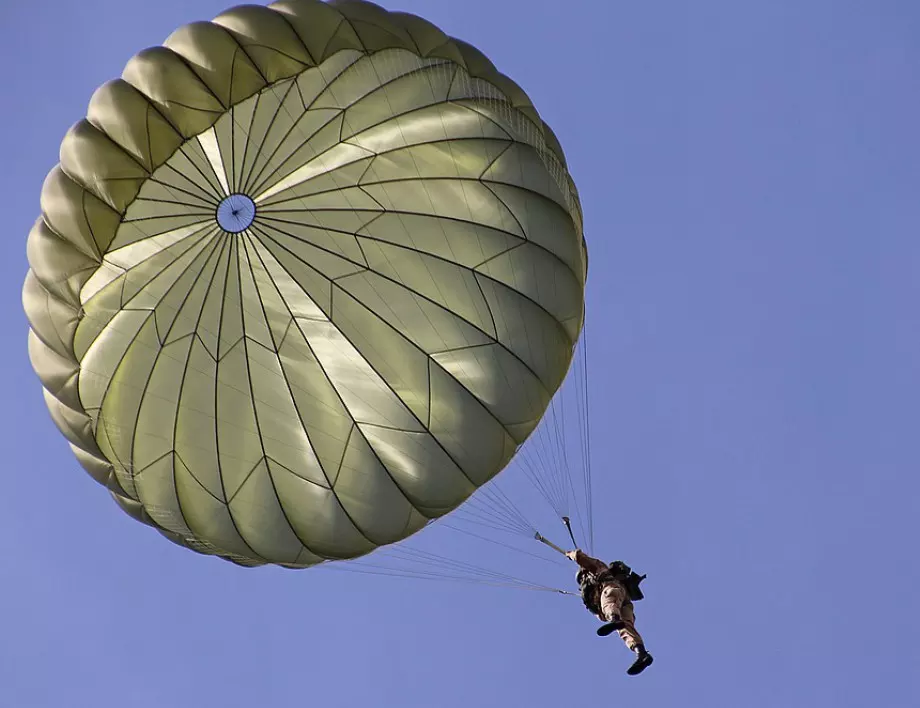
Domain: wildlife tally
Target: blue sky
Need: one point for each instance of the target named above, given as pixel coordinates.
(749, 174)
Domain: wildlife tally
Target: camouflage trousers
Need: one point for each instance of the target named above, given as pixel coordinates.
(615, 603)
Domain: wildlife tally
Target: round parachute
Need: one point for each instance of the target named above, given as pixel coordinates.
(306, 277)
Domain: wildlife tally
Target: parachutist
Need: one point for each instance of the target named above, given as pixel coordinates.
(608, 592)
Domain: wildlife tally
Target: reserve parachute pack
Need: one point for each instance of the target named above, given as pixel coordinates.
(588, 587)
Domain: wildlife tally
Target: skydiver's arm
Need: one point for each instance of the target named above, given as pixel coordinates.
(592, 565)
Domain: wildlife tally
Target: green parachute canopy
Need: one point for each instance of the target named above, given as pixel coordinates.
(305, 278)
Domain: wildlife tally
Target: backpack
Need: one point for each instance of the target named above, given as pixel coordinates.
(630, 579)
(589, 584)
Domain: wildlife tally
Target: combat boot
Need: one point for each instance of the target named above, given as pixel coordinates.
(642, 662)
(611, 627)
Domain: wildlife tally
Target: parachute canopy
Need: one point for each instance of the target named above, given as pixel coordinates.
(306, 277)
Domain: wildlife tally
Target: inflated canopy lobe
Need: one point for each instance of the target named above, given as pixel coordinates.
(306, 277)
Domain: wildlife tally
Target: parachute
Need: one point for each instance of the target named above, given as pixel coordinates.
(306, 279)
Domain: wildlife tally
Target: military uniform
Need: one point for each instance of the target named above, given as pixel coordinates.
(615, 607)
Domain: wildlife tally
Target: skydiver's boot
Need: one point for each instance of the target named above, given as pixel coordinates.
(642, 662)
(607, 629)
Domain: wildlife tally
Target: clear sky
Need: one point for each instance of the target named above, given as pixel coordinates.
(749, 173)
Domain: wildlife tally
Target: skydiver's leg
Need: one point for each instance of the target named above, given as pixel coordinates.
(633, 640)
(628, 633)
(612, 598)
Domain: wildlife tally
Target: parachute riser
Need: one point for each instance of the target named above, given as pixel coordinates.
(543, 539)
(568, 526)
